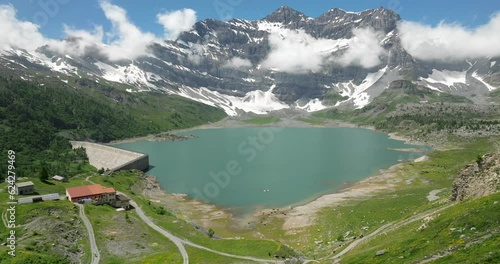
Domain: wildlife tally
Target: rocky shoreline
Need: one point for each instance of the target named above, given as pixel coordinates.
(155, 138)
(171, 137)
(192, 211)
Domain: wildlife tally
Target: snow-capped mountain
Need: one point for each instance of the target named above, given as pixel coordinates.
(285, 60)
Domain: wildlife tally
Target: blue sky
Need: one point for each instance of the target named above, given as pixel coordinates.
(86, 14)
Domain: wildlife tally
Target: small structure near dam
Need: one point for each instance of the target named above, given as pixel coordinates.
(112, 159)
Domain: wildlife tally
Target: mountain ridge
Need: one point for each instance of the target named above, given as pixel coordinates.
(306, 60)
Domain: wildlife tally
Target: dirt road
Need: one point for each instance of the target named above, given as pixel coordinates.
(96, 256)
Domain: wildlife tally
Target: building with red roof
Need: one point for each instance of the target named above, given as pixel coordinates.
(95, 192)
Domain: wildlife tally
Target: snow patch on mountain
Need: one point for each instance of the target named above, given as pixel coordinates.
(241, 23)
(258, 102)
(492, 64)
(311, 106)
(479, 78)
(361, 100)
(8, 61)
(271, 27)
(431, 86)
(130, 74)
(173, 47)
(58, 65)
(448, 78)
(356, 93)
(388, 36)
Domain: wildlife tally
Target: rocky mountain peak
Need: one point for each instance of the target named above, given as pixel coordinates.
(285, 15)
(381, 19)
(381, 13)
(332, 13)
(337, 23)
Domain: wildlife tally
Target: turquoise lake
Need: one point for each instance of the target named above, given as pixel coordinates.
(244, 169)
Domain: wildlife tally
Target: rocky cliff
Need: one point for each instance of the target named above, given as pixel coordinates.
(479, 179)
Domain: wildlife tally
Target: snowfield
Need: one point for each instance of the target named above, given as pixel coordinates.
(257, 102)
(448, 78)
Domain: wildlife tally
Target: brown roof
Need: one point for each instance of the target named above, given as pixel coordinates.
(24, 184)
(88, 190)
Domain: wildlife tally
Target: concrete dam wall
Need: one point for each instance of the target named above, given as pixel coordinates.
(113, 159)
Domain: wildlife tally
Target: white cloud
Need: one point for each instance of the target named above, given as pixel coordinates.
(237, 62)
(364, 49)
(295, 51)
(16, 33)
(447, 42)
(127, 40)
(175, 22)
(124, 41)
(78, 41)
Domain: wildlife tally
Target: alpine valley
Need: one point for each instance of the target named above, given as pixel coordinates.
(111, 107)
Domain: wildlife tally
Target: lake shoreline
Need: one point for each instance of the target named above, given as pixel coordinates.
(302, 214)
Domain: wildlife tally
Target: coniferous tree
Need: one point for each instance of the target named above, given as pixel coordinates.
(44, 174)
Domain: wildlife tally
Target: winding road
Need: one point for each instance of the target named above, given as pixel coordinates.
(96, 256)
(179, 242)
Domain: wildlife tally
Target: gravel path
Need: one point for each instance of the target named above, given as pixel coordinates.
(388, 228)
(179, 242)
(96, 256)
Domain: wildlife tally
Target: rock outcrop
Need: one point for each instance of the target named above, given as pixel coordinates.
(479, 179)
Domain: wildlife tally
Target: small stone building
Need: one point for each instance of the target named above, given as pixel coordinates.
(59, 178)
(22, 188)
(121, 201)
